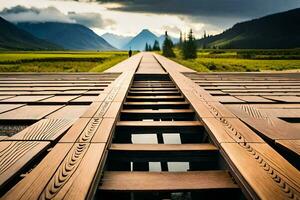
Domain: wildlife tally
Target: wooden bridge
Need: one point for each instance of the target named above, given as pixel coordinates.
(149, 128)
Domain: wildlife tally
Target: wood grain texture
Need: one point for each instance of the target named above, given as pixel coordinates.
(166, 181)
(270, 126)
(267, 173)
(43, 130)
(15, 155)
(264, 173)
(67, 172)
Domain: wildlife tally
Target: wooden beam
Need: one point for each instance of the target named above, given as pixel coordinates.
(166, 181)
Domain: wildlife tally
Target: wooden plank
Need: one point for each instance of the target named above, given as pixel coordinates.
(74, 132)
(67, 172)
(43, 130)
(151, 111)
(275, 106)
(159, 124)
(15, 155)
(105, 130)
(7, 107)
(26, 98)
(68, 112)
(267, 174)
(292, 145)
(154, 89)
(85, 98)
(145, 98)
(166, 181)
(229, 130)
(60, 99)
(163, 147)
(228, 99)
(294, 99)
(29, 112)
(94, 130)
(5, 97)
(92, 109)
(164, 93)
(254, 99)
(271, 127)
(113, 110)
(156, 105)
(282, 112)
(145, 127)
(163, 114)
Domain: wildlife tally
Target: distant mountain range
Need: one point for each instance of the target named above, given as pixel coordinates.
(117, 41)
(69, 36)
(14, 38)
(280, 30)
(137, 42)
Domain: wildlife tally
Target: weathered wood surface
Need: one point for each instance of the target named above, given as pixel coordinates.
(79, 123)
(73, 167)
(276, 120)
(17, 154)
(255, 164)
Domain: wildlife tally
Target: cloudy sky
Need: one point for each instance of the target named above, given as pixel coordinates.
(128, 17)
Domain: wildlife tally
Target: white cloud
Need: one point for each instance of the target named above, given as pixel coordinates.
(52, 14)
(23, 14)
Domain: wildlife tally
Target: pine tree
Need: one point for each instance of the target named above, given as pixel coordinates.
(189, 47)
(156, 46)
(180, 39)
(168, 46)
(146, 47)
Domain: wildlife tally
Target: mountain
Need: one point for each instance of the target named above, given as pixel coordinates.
(13, 38)
(145, 36)
(280, 30)
(117, 41)
(70, 36)
(140, 40)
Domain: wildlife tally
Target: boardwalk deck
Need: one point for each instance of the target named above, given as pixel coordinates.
(149, 128)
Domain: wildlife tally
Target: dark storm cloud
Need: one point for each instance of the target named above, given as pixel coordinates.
(216, 8)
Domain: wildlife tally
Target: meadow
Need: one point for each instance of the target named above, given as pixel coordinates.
(63, 61)
(243, 60)
(206, 61)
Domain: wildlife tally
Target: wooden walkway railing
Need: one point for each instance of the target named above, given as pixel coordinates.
(149, 128)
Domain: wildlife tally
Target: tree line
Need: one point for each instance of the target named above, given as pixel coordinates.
(155, 47)
(187, 46)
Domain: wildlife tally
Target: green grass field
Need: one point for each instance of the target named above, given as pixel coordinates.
(207, 60)
(59, 61)
(242, 60)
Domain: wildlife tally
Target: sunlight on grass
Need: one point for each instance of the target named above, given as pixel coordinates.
(238, 61)
(59, 61)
